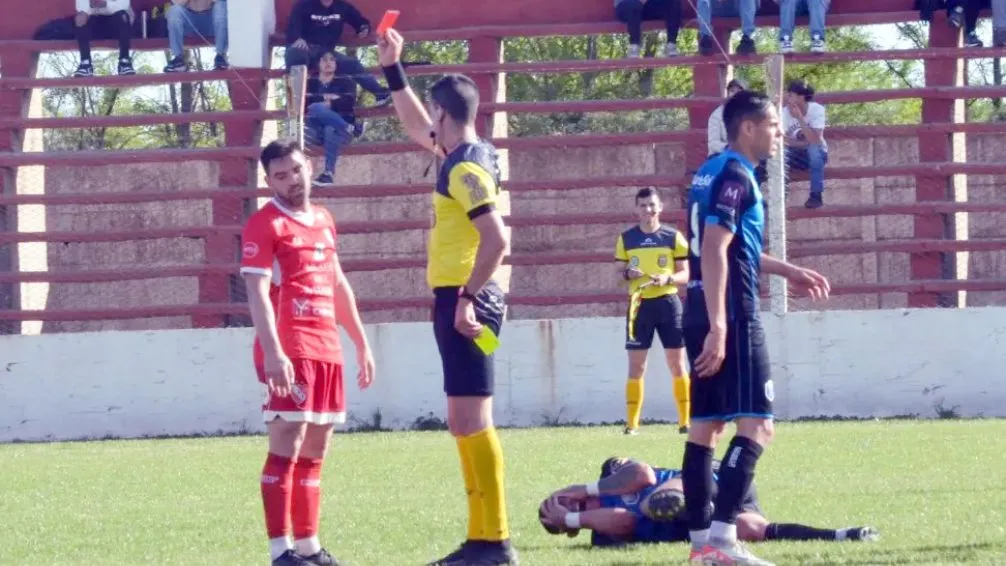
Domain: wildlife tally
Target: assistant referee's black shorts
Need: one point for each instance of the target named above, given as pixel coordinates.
(468, 372)
(743, 387)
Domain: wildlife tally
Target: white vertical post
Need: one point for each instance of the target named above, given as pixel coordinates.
(249, 25)
(775, 190)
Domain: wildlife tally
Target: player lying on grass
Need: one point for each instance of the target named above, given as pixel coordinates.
(635, 502)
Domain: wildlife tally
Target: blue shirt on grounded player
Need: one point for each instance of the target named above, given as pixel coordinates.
(724, 192)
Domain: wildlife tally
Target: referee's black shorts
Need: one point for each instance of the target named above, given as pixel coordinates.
(468, 372)
(743, 387)
(659, 315)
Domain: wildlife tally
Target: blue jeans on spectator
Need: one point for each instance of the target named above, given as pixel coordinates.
(327, 128)
(745, 9)
(184, 22)
(812, 158)
(347, 66)
(788, 10)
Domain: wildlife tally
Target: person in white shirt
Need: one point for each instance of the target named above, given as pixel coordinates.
(115, 15)
(716, 130)
(806, 149)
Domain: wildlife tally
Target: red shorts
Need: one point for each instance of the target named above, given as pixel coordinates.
(318, 394)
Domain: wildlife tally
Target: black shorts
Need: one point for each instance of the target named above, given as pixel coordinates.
(743, 387)
(468, 372)
(661, 315)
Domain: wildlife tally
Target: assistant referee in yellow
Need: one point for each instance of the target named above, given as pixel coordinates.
(466, 247)
(652, 259)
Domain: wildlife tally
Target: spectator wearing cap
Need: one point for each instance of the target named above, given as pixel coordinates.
(816, 9)
(803, 122)
(743, 9)
(633, 12)
(716, 130)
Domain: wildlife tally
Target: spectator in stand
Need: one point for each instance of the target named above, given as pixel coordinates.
(331, 121)
(316, 27)
(817, 9)
(104, 14)
(203, 18)
(804, 121)
(964, 13)
(633, 12)
(744, 9)
(716, 130)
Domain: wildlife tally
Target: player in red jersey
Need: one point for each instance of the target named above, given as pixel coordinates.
(300, 365)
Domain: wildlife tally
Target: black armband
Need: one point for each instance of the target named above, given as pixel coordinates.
(395, 75)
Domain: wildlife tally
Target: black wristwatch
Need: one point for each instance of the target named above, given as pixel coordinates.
(464, 294)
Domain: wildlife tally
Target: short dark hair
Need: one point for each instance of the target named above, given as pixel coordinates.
(278, 149)
(458, 96)
(801, 88)
(739, 84)
(647, 192)
(743, 106)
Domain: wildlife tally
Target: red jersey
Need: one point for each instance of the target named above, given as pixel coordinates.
(300, 246)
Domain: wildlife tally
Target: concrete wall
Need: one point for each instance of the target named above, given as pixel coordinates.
(850, 364)
(540, 164)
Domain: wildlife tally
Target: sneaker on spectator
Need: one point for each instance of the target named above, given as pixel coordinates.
(220, 63)
(706, 45)
(177, 65)
(746, 46)
(785, 45)
(972, 40)
(956, 18)
(84, 69)
(324, 180)
(126, 67)
(633, 52)
(671, 50)
(817, 44)
(383, 100)
(358, 128)
(814, 201)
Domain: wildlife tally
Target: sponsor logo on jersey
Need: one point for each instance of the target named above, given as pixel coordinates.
(662, 260)
(249, 250)
(702, 180)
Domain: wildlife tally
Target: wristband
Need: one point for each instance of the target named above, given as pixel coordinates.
(573, 520)
(593, 489)
(464, 294)
(395, 75)
(625, 274)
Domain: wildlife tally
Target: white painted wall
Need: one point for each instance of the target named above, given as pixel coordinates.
(851, 363)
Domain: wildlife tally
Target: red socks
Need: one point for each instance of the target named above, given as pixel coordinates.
(306, 510)
(277, 485)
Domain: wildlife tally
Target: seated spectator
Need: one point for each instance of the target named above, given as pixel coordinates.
(803, 122)
(817, 9)
(716, 130)
(633, 12)
(108, 14)
(330, 114)
(316, 27)
(744, 9)
(964, 13)
(203, 18)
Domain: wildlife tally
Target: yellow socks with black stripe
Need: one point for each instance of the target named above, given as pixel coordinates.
(683, 396)
(633, 402)
(486, 457)
(475, 512)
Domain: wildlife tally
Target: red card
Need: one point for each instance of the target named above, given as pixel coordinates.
(389, 19)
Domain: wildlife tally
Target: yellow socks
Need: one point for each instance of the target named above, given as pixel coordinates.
(633, 402)
(485, 457)
(475, 513)
(682, 394)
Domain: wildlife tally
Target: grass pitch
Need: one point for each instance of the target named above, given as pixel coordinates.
(935, 489)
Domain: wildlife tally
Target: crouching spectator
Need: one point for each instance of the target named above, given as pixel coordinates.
(804, 121)
(104, 16)
(633, 12)
(744, 9)
(817, 9)
(202, 18)
(331, 109)
(316, 27)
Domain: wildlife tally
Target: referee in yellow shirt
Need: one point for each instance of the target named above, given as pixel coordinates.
(467, 244)
(653, 260)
